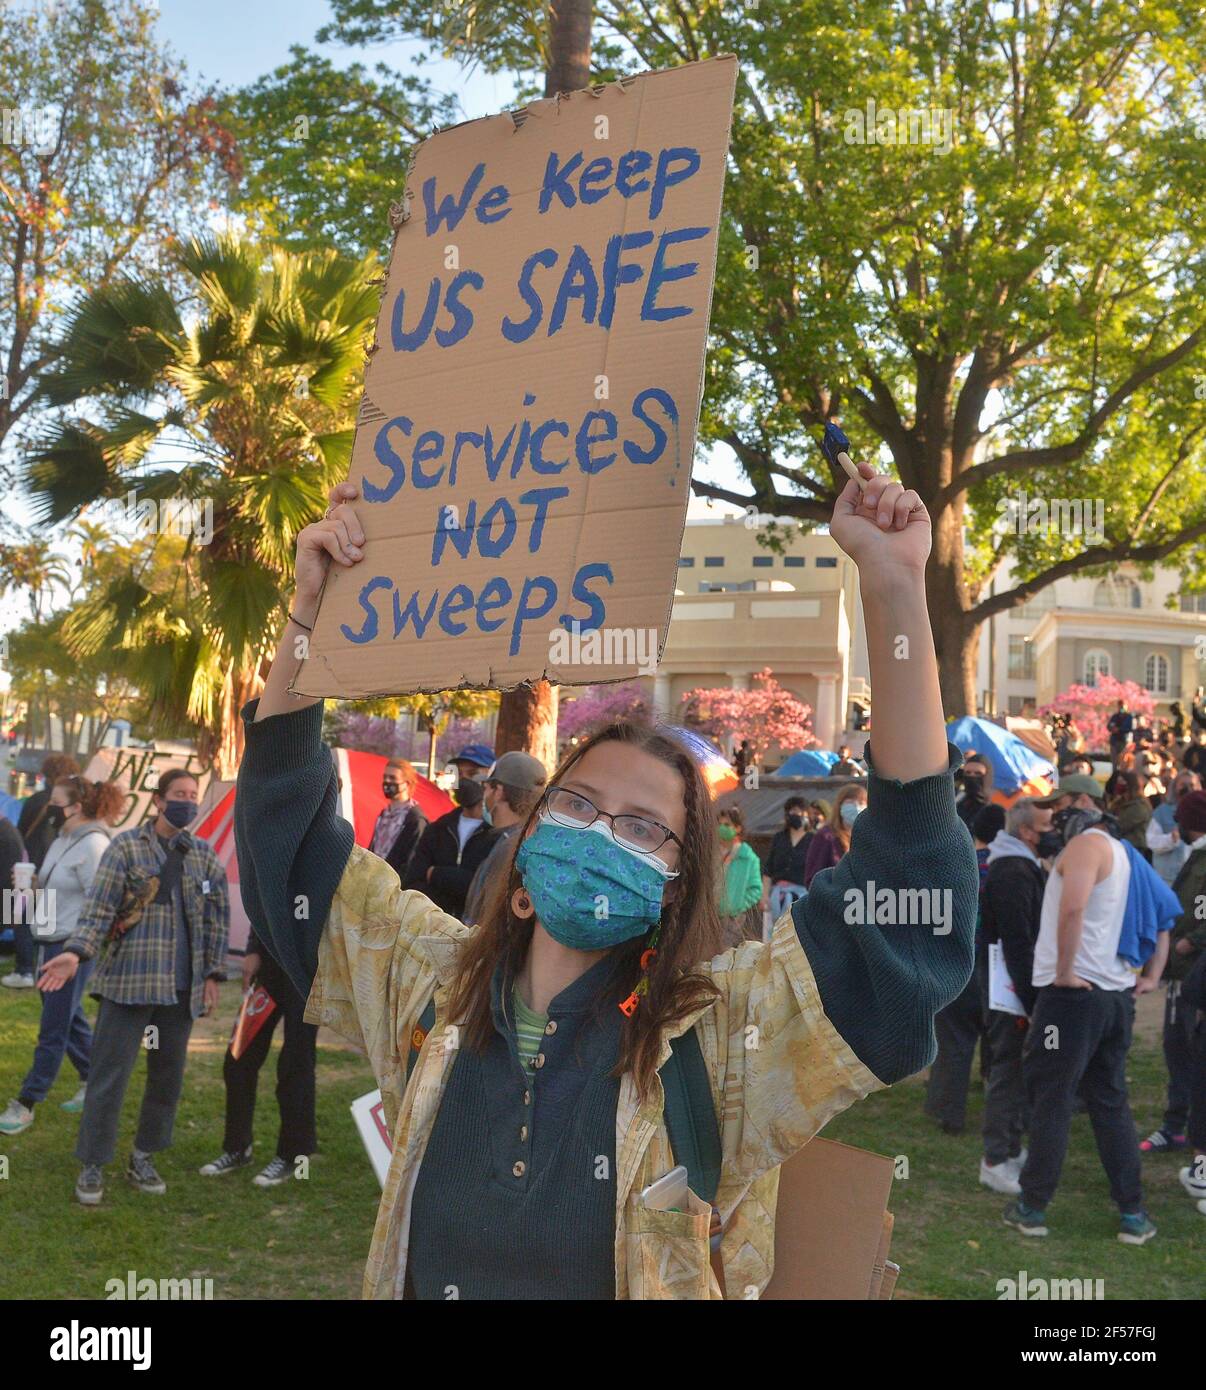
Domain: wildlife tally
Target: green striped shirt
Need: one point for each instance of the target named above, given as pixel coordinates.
(529, 1032)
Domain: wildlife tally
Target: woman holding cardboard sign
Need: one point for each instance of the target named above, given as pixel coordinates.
(531, 1141)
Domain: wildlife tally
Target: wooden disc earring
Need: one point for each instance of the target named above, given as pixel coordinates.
(521, 904)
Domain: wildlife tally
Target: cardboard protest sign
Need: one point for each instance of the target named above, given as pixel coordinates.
(525, 440)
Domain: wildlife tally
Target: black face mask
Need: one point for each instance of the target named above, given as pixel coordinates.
(391, 789)
(973, 783)
(56, 816)
(1050, 842)
(795, 820)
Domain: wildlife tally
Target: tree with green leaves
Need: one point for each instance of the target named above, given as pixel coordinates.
(254, 378)
(967, 230)
(102, 146)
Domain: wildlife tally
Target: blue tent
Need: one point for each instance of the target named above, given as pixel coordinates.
(1014, 763)
(808, 762)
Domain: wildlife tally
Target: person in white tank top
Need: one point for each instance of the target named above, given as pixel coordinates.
(1094, 957)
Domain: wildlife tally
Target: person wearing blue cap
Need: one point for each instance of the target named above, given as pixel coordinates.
(473, 762)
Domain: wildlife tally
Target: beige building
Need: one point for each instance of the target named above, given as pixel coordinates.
(1142, 630)
(739, 608)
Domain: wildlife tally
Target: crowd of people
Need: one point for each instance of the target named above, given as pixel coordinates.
(1090, 897)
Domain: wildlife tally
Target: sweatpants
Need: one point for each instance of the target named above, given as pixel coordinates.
(1078, 1040)
(958, 1028)
(116, 1043)
(1005, 1110)
(1180, 1025)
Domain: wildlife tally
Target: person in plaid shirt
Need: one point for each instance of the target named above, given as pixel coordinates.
(160, 974)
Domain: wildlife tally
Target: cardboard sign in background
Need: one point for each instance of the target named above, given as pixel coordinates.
(525, 441)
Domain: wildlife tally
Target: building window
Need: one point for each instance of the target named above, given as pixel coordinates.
(1193, 603)
(1097, 663)
(763, 562)
(686, 562)
(1155, 674)
(713, 562)
(1038, 604)
(1117, 592)
(826, 562)
(793, 562)
(1021, 660)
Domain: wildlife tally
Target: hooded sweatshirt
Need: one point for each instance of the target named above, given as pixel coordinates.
(1013, 905)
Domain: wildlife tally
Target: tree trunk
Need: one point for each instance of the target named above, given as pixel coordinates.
(569, 46)
(527, 720)
(956, 637)
(237, 689)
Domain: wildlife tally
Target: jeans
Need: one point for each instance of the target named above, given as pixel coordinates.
(23, 946)
(1078, 1041)
(781, 897)
(1180, 1023)
(64, 1031)
(294, 1073)
(120, 1029)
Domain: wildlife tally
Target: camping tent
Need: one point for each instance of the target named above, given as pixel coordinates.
(1017, 769)
(808, 762)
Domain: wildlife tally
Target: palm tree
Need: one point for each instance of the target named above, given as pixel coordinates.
(253, 378)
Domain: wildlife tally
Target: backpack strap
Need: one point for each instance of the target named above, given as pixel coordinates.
(690, 1115)
(419, 1035)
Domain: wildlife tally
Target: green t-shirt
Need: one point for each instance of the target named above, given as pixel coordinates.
(529, 1033)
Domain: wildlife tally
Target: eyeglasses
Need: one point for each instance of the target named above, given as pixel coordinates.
(633, 832)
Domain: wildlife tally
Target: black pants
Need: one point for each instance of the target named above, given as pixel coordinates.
(1197, 1082)
(122, 1031)
(1078, 1041)
(958, 1028)
(1005, 1110)
(294, 1073)
(1180, 1026)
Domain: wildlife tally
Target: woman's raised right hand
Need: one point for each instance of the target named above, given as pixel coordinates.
(338, 536)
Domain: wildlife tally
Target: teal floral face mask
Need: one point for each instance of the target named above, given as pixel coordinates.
(589, 892)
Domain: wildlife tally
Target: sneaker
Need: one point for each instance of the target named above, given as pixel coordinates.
(1160, 1141)
(1201, 1206)
(227, 1163)
(15, 981)
(1001, 1177)
(1031, 1221)
(1135, 1228)
(142, 1174)
(90, 1185)
(18, 1118)
(1193, 1179)
(76, 1103)
(278, 1171)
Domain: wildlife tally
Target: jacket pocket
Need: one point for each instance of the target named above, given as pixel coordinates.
(672, 1251)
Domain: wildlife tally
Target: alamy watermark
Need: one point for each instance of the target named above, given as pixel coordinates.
(1063, 516)
(899, 907)
(906, 125)
(604, 646)
(170, 516)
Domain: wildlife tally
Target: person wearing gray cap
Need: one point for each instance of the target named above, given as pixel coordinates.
(513, 786)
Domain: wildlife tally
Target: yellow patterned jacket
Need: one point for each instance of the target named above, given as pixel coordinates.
(779, 1070)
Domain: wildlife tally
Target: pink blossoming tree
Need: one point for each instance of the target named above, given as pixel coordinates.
(767, 714)
(1092, 705)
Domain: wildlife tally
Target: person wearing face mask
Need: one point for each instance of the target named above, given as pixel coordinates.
(783, 878)
(1012, 901)
(537, 1116)
(512, 789)
(162, 974)
(832, 840)
(977, 788)
(64, 879)
(12, 852)
(741, 895)
(40, 820)
(400, 826)
(1169, 852)
(452, 849)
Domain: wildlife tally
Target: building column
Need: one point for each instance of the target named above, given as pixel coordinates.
(661, 694)
(739, 680)
(824, 717)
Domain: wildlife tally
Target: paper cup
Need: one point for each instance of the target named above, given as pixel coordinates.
(23, 876)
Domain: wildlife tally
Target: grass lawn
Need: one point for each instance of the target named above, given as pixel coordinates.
(309, 1239)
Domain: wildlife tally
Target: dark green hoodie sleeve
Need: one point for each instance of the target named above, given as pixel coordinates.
(291, 842)
(886, 962)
